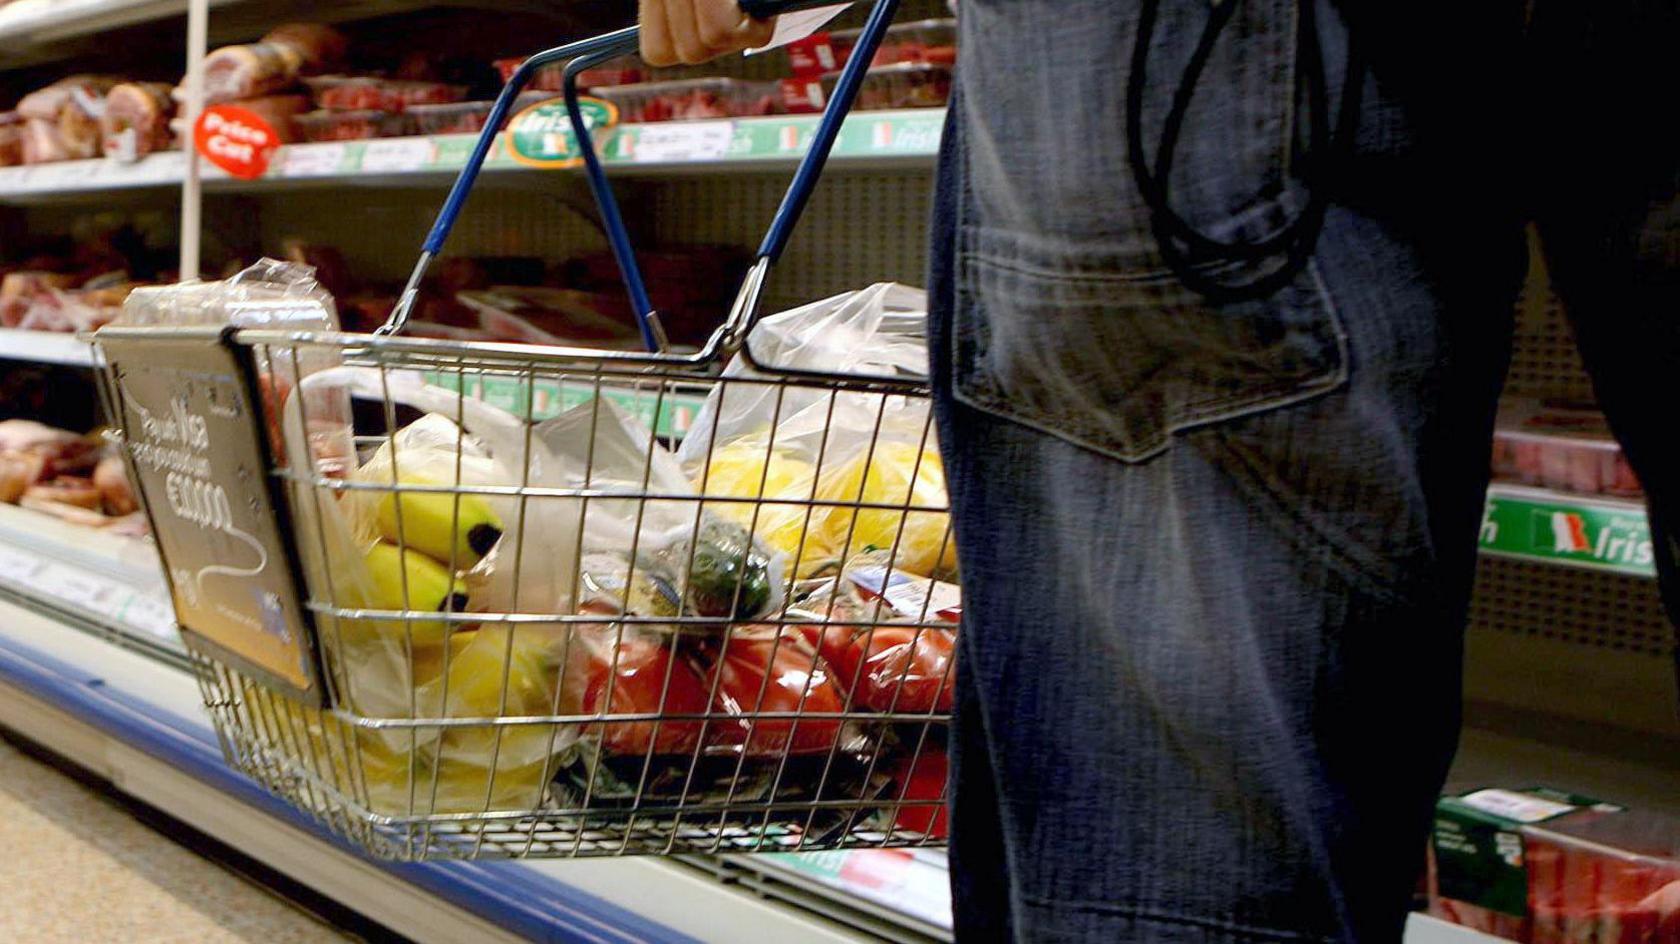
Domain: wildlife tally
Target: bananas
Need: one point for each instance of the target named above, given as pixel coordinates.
(431, 523)
(409, 580)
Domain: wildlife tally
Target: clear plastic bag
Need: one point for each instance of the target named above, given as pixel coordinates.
(824, 453)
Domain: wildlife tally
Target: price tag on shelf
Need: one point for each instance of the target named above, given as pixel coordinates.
(313, 160)
(17, 566)
(676, 142)
(88, 591)
(150, 615)
(395, 155)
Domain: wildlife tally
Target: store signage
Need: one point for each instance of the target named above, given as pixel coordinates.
(235, 139)
(1584, 533)
(541, 135)
(187, 402)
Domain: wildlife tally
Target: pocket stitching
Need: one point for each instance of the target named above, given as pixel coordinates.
(971, 386)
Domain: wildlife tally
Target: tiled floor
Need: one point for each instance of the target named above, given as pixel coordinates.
(76, 867)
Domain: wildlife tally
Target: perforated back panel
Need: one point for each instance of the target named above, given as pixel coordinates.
(1579, 607)
(860, 227)
(1544, 361)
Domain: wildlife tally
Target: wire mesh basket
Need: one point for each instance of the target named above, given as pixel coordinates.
(572, 603)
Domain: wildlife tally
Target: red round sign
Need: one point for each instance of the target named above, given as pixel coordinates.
(235, 139)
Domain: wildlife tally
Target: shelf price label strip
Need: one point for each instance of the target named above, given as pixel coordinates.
(1580, 533)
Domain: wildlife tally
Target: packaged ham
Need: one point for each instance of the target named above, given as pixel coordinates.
(1561, 446)
(42, 143)
(319, 48)
(21, 291)
(11, 139)
(1544, 867)
(270, 65)
(47, 103)
(932, 42)
(690, 99)
(626, 70)
(136, 120)
(247, 71)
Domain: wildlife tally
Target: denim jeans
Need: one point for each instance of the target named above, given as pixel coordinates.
(1217, 558)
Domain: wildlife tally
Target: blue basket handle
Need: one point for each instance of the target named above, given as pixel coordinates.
(586, 53)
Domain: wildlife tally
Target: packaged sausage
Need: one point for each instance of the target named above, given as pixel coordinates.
(931, 42)
(351, 125)
(900, 85)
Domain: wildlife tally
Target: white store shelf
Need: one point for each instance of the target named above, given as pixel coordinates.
(868, 140)
(45, 347)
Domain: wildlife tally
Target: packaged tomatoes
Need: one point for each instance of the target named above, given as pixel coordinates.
(641, 676)
(921, 778)
(900, 669)
(763, 670)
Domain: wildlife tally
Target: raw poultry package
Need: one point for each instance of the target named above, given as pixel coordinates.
(1544, 867)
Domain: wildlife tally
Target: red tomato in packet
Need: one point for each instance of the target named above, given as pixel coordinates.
(638, 678)
(921, 779)
(758, 672)
(900, 668)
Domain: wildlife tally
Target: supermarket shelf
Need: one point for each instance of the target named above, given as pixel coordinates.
(106, 583)
(1602, 534)
(139, 724)
(868, 140)
(1422, 929)
(45, 347)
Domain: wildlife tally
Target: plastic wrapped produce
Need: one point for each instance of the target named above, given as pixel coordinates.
(136, 119)
(764, 669)
(873, 449)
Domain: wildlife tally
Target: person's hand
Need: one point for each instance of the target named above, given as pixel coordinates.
(695, 31)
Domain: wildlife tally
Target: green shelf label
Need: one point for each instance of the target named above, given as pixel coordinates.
(676, 411)
(1584, 533)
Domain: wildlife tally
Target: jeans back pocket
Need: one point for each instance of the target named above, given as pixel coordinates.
(1096, 347)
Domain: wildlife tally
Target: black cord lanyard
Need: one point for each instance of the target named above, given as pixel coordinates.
(1270, 263)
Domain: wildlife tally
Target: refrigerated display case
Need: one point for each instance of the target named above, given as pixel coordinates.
(1569, 681)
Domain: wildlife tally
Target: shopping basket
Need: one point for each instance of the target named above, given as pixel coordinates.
(533, 629)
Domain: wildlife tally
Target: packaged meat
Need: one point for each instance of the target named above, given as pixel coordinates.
(116, 493)
(366, 93)
(20, 290)
(1545, 867)
(1561, 446)
(626, 70)
(48, 103)
(902, 85)
(351, 125)
(247, 71)
(270, 65)
(319, 48)
(690, 99)
(42, 143)
(11, 139)
(455, 118)
(280, 112)
(932, 42)
(136, 120)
